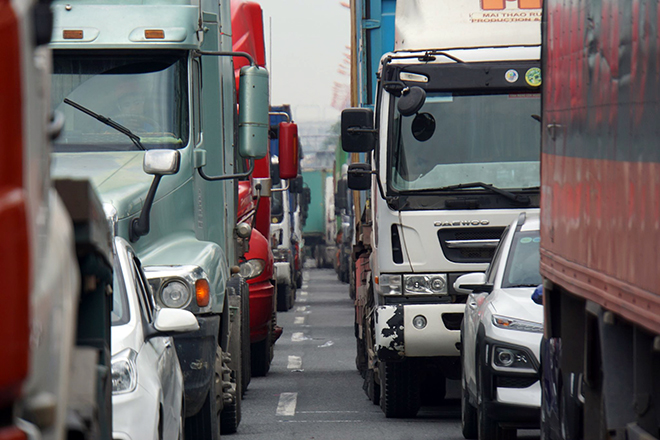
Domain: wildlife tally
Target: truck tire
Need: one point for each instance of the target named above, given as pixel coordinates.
(246, 359)
(230, 417)
(261, 356)
(400, 396)
(371, 387)
(283, 294)
(206, 423)
(361, 359)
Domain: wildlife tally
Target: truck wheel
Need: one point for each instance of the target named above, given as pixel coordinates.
(371, 387)
(206, 423)
(400, 397)
(230, 417)
(246, 362)
(283, 297)
(261, 357)
(361, 358)
(433, 389)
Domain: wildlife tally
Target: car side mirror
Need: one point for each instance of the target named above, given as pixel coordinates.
(357, 130)
(175, 321)
(359, 176)
(472, 282)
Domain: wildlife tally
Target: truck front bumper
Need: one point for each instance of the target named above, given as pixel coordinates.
(196, 352)
(397, 337)
(262, 305)
(283, 272)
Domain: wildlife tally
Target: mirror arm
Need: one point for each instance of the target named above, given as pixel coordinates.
(228, 176)
(281, 189)
(380, 184)
(140, 226)
(226, 54)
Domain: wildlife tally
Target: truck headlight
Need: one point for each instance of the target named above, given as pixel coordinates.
(124, 372)
(425, 284)
(175, 294)
(252, 268)
(390, 284)
(517, 324)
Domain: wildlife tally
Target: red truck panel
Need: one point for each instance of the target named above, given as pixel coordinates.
(14, 258)
(600, 226)
(247, 34)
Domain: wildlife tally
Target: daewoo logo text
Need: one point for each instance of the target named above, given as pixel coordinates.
(463, 223)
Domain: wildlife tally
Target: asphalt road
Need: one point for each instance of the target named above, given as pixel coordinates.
(313, 390)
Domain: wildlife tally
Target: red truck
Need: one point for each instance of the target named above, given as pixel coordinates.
(600, 219)
(254, 202)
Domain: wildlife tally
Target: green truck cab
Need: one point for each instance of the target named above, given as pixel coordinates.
(148, 94)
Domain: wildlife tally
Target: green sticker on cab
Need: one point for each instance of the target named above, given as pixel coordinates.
(533, 77)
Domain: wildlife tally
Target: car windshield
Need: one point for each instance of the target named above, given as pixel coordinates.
(145, 94)
(459, 138)
(522, 266)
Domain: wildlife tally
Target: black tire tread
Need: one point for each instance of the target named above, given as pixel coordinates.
(400, 394)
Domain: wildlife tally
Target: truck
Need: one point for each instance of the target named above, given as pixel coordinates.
(151, 120)
(56, 260)
(257, 265)
(285, 208)
(318, 230)
(343, 217)
(599, 221)
(452, 147)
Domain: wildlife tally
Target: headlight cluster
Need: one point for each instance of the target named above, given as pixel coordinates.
(179, 287)
(511, 358)
(175, 294)
(252, 268)
(124, 372)
(517, 324)
(413, 284)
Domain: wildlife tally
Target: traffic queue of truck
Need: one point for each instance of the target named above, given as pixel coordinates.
(506, 222)
(150, 299)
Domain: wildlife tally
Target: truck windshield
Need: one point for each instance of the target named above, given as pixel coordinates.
(460, 138)
(146, 94)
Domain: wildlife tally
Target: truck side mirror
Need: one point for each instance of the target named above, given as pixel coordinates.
(411, 101)
(357, 130)
(253, 119)
(359, 176)
(288, 156)
(163, 162)
(341, 197)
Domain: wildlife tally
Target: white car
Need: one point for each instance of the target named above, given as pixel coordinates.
(147, 383)
(501, 336)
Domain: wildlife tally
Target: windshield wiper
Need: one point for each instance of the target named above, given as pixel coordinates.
(107, 121)
(524, 200)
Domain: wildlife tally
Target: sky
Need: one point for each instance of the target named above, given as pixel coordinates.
(306, 43)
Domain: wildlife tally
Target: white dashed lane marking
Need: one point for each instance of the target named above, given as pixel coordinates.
(302, 309)
(297, 337)
(299, 320)
(295, 363)
(287, 404)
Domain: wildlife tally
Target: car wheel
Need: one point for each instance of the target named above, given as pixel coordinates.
(468, 413)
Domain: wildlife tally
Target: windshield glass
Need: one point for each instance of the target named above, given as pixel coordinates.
(145, 94)
(120, 311)
(522, 266)
(468, 138)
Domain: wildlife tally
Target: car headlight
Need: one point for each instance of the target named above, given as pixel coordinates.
(124, 372)
(517, 324)
(389, 284)
(507, 358)
(175, 294)
(425, 284)
(252, 268)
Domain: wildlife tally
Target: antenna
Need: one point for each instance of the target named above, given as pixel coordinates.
(270, 55)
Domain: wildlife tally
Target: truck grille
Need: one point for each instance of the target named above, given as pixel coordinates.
(469, 245)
